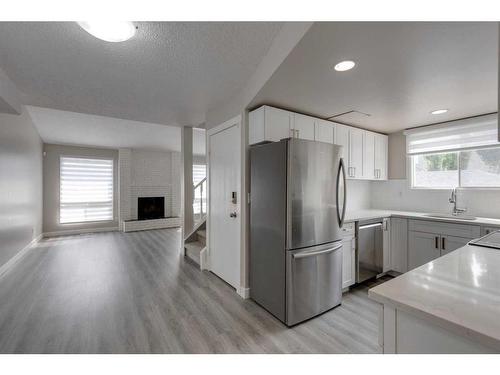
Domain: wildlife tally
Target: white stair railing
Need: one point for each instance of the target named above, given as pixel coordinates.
(200, 200)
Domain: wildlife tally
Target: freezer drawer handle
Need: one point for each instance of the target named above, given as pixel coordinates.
(316, 253)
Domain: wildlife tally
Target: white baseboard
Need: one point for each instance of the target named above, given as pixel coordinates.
(243, 292)
(70, 232)
(16, 258)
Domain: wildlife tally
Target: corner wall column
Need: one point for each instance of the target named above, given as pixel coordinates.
(187, 181)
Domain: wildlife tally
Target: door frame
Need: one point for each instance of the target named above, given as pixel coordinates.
(235, 121)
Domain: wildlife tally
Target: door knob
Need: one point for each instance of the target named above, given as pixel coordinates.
(232, 214)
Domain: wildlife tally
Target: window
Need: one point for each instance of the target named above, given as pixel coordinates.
(463, 153)
(200, 190)
(435, 170)
(199, 173)
(86, 190)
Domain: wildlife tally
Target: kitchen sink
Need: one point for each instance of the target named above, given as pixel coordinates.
(451, 216)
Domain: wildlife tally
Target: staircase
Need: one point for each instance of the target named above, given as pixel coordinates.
(195, 245)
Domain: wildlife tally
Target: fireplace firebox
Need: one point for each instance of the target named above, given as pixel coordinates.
(149, 208)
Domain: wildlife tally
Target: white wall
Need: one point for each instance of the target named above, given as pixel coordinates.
(358, 195)
(397, 195)
(20, 184)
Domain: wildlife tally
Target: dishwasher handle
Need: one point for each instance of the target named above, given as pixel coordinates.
(370, 226)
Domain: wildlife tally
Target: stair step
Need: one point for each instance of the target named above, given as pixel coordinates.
(202, 236)
(193, 250)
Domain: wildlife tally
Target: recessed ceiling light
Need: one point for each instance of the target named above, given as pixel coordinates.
(439, 111)
(344, 65)
(110, 31)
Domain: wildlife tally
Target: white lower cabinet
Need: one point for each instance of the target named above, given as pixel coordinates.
(422, 248)
(386, 238)
(348, 256)
(450, 243)
(428, 240)
(399, 244)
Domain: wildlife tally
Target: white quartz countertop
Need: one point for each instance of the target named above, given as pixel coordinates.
(375, 214)
(459, 291)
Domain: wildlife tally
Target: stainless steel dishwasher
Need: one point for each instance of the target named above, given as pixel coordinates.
(369, 249)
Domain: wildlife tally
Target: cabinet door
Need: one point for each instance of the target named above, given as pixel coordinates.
(450, 243)
(369, 156)
(342, 138)
(257, 126)
(304, 127)
(381, 149)
(356, 152)
(277, 124)
(399, 244)
(324, 131)
(386, 235)
(348, 262)
(422, 248)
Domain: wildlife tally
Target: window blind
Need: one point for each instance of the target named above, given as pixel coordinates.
(470, 133)
(86, 190)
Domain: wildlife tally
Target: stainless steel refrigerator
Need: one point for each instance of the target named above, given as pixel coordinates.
(297, 207)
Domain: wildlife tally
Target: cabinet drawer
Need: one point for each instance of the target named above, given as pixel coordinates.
(450, 229)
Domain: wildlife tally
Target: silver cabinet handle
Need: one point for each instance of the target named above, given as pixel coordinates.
(232, 214)
(297, 130)
(316, 253)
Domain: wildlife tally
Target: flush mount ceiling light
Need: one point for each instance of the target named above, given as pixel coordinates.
(439, 111)
(110, 31)
(344, 65)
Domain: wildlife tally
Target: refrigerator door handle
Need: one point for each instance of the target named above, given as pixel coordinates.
(341, 170)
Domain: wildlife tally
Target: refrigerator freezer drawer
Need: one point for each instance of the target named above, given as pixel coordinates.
(314, 281)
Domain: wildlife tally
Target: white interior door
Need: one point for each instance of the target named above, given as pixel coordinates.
(224, 214)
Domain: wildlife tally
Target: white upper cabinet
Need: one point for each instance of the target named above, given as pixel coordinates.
(356, 137)
(364, 152)
(381, 147)
(342, 138)
(303, 127)
(369, 156)
(324, 131)
(269, 124)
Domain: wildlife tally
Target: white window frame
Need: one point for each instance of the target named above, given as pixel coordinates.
(112, 190)
(410, 171)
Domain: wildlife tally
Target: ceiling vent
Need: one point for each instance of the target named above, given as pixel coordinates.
(351, 118)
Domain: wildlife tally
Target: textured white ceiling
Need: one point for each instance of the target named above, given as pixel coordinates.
(403, 71)
(63, 127)
(168, 73)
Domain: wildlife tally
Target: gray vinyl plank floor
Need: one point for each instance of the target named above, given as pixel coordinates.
(134, 293)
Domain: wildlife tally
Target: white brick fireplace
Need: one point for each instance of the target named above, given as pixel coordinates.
(144, 173)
